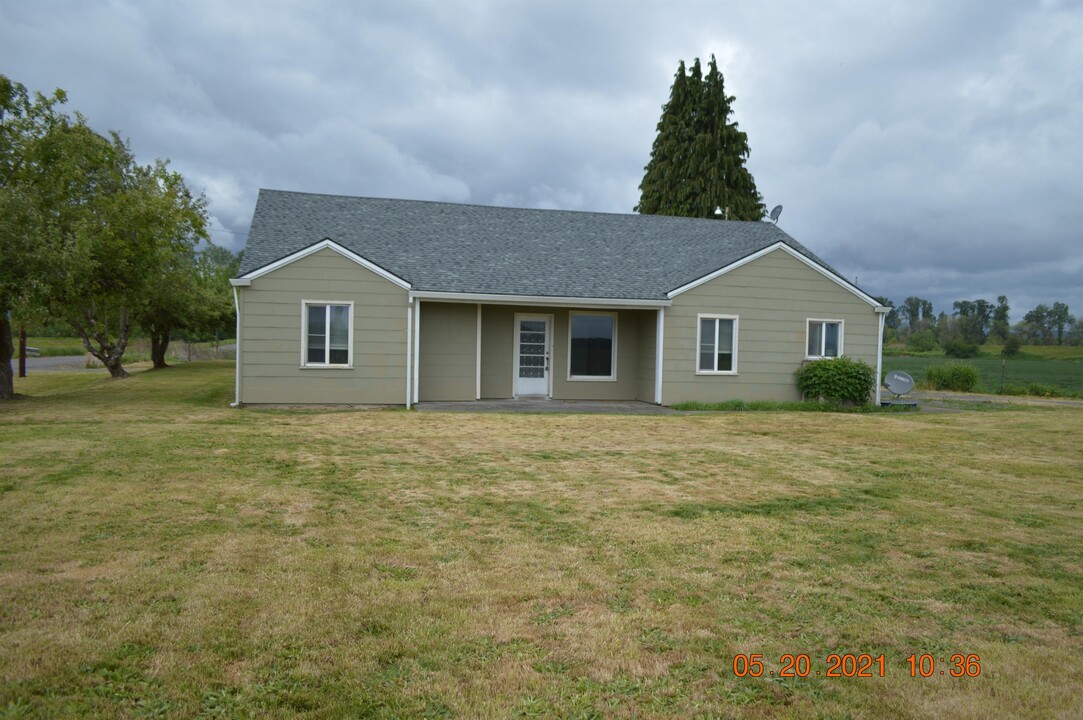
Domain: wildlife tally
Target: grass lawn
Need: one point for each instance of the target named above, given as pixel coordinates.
(164, 555)
(1064, 374)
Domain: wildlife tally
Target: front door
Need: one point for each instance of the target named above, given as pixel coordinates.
(532, 340)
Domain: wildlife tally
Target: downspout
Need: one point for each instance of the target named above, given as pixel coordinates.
(237, 362)
(659, 348)
(880, 352)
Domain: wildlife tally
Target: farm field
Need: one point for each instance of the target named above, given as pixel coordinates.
(164, 555)
(1066, 375)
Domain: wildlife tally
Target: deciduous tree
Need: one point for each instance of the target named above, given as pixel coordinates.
(24, 120)
(1059, 319)
(1001, 328)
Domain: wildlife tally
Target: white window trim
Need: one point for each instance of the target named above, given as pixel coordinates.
(823, 337)
(699, 343)
(613, 361)
(305, 365)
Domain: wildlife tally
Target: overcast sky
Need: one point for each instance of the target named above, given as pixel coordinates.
(925, 148)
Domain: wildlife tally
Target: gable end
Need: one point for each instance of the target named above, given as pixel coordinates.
(767, 250)
(325, 244)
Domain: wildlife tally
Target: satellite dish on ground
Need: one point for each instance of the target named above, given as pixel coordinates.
(775, 212)
(899, 383)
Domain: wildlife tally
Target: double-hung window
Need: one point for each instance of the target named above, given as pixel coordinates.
(328, 334)
(592, 346)
(824, 339)
(717, 343)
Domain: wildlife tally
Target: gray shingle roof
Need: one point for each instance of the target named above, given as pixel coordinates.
(446, 247)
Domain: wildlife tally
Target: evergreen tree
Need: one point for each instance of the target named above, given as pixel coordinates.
(698, 159)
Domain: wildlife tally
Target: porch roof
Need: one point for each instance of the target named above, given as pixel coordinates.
(452, 248)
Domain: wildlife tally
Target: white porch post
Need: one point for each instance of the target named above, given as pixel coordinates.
(882, 312)
(409, 351)
(417, 344)
(477, 358)
(659, 348)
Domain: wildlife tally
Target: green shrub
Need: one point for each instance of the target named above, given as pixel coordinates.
(960, 348)
(922, 341)
(1040, 390)
(960, 377)
(836, 380)
(1011, 346)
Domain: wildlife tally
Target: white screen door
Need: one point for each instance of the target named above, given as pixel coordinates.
(531, 355)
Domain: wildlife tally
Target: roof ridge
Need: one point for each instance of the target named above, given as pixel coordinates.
(505, 207)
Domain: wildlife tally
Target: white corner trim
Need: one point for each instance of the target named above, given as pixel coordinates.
(409, 351)
(767, 250)
(417, 347)
(237, 353)
(659, 347)
(880, 357)
(539, 300)
(325, 244)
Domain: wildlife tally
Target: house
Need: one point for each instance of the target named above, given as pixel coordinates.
(365, 300)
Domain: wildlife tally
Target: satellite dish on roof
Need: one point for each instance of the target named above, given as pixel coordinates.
(775, 212)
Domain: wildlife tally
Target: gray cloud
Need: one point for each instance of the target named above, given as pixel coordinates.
(925, 148)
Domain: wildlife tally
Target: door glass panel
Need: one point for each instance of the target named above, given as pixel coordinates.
(532, 348)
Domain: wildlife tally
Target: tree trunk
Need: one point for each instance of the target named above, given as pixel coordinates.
(109, 353)
(7, 349)
(159, 342)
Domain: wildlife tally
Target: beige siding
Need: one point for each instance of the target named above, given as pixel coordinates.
(497, 351)
(498, 355)
(271, 343)
(648, 332)
(448, 351)
(773, 297)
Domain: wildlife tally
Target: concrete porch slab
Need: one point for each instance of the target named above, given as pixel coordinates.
(609, 407)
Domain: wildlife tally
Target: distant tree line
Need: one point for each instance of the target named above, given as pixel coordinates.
(95, 242)
(974, 322)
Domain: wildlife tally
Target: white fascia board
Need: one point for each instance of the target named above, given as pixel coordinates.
(325, 244)
(239, 282)
(541, 300)
(770, 249)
